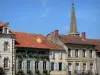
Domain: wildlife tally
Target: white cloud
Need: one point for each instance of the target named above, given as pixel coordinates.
(45, 9)
(45, 13)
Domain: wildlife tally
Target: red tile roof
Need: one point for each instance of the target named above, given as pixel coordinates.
(30, 41)
(95, 42)
(68, 39)
(1, 24)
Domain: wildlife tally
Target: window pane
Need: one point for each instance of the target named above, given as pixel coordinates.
(91, 67)
(60, 66)
(76, 52)
(44, 65)
(69, 66)
(19, 64)
(6, 62)
(52, 66)
(83, 53)
(28, 65)
(77, 66)
(84, 67)
(90, 53)
(36, 65)
(69, 52)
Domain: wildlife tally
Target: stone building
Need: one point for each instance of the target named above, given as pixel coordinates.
(6, 49)
(57, 62)
(33, 51)
(80, 51)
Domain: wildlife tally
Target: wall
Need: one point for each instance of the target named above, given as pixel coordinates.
(56, 60)
(6, 53)
(98, 62)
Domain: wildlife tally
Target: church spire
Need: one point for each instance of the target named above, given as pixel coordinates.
(73, 26)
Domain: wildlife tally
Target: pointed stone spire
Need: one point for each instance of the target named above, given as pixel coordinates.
(73, 26)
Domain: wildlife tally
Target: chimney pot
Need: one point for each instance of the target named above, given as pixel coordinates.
(83, 35)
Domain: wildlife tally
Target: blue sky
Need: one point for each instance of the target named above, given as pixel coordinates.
(44, 16)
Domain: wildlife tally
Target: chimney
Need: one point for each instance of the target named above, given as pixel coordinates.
(56, 33)
(83, 35)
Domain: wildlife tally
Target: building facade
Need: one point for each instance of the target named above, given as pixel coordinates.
(57, 62)
(33, 56)
(80, 53)
(32, 60)
(6, 49)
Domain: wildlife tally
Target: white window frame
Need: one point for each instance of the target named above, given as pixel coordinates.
(6, 46)
(85, 52)
(77, 52)
(70, 52)
(8, 63)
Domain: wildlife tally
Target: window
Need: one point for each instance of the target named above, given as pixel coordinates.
(52, 66)
(60, 55)
(69, 68)
(28, 65)
(5, 30)
(6, 62)
(19, 64)
(84, 67)
(69, 52)
(84, 52)
(91, 67)
(36, 65)
(6, 45)
(77, 67)
(60, 66)
(44, 65)
(76, 52)
(52, 55)
(90, 53)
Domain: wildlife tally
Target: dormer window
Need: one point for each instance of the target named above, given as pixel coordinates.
(5, 30)
(0, 30)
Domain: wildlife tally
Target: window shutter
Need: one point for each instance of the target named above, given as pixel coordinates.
(50, 66)
(47, 65)
(16, 64)
(9, 65)
(63, 66)
(8, 47)
(57, 66)
(40, 66)
(22, 65)
(3, 46)
(52, 56)
(25, 68)
(54, 66)
(33, 66)
(60, 55)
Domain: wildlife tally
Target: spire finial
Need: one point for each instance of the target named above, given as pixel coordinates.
(73, 26)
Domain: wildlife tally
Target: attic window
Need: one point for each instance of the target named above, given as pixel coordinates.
(5, 30)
